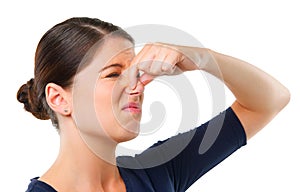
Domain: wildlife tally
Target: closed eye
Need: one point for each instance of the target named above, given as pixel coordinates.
(113, 75)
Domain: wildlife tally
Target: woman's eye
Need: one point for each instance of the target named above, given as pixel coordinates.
(113, 75)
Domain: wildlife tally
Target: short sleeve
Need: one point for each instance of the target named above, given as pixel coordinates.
(212, 142)
(176, 163)
(36, 185)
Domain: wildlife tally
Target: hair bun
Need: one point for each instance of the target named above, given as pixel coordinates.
(27, 95)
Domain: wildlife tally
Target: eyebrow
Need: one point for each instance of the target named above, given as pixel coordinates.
(112, 65)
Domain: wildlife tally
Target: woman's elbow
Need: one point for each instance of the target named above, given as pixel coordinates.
(278, 99)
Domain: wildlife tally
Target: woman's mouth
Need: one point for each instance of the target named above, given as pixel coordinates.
(132, 107)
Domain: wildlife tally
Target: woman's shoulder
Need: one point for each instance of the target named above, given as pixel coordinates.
(36, 185)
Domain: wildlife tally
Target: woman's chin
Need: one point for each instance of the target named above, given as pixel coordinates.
(129, 131)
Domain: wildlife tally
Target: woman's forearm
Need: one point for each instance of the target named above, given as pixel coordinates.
(259, 97)
(253, 88)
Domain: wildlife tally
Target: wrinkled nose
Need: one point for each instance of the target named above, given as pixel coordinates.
(137, 91)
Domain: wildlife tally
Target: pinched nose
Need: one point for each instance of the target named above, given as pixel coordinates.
(138, 90)
(134, 82)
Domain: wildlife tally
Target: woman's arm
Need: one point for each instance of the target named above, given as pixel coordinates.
(259, 97)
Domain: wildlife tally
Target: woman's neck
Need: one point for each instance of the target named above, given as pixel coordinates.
(78, 168)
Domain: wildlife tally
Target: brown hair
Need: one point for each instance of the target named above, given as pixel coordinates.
(57, 58)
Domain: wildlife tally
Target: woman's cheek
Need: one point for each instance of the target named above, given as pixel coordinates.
(102, 99)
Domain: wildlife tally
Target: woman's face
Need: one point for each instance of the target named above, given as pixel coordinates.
(117, 107)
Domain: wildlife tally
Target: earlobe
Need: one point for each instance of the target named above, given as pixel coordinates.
(57, 99)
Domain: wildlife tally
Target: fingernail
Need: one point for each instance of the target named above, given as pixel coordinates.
(145, 82)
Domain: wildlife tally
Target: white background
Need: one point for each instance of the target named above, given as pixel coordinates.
(264, 33)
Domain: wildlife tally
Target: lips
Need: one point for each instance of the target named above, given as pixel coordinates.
(132, 107)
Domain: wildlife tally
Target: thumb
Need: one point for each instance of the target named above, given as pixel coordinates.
(146, 78)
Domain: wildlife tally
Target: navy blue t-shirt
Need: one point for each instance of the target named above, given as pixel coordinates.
(176, 163)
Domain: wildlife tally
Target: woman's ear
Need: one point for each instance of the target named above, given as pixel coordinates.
(58, 99)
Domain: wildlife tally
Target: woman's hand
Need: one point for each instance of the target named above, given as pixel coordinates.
(259, 97)
(158, 59)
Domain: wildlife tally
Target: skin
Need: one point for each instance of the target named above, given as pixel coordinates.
(78, 168)
(254, 105)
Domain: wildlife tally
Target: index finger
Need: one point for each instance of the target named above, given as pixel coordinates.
(133, 71)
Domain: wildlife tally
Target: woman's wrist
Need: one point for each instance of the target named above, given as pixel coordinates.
(205, 59)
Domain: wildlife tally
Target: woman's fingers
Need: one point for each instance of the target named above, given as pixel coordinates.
(138, 57)
(146, 78)
(133, 70)
(169, 64)
(155, 60)
(158, 60)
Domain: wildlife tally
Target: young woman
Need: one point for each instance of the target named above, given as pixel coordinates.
(86, 80)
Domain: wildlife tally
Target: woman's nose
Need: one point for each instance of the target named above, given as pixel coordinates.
(138, 90)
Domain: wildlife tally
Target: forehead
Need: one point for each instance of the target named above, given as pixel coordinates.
(122, 56)
(110, 49)
(116, 48)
